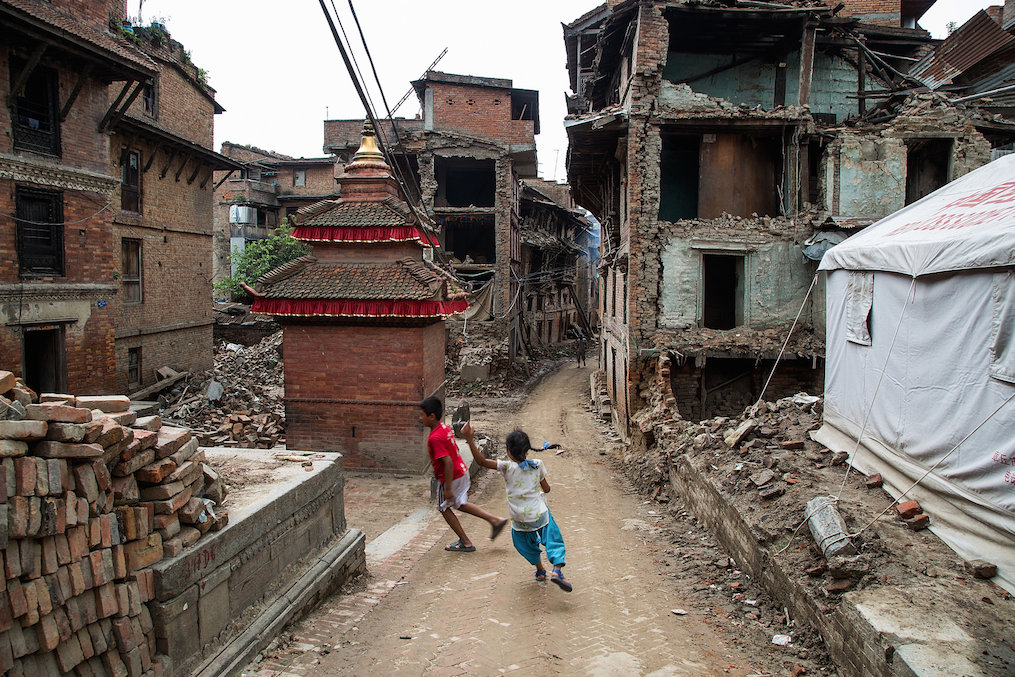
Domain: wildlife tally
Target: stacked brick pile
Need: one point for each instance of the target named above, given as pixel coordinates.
(90, 498)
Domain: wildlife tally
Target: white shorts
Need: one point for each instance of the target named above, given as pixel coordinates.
(460, 489)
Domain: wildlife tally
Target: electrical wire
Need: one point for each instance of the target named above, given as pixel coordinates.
(784, 343)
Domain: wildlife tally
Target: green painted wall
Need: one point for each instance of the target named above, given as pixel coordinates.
(753, 83)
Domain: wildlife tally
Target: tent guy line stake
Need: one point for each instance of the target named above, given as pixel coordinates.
(881, 377)
(933, 467)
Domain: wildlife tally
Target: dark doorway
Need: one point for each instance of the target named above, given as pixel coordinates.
(722, 291)
(45, 365)
(926, 166)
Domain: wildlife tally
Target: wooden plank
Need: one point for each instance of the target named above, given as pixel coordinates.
(807, 62)
(158, 387)
(737, 176)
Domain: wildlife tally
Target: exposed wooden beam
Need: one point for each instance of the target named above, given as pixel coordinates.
(119, 98)
(85, 72)
(223, 179)
(126, 148)
(807, 61)
(197, 170)
(165, 169)
(123, 109)
(151, 158)
(211, 172)
(861, 81)
(33, 61)
(186, 159)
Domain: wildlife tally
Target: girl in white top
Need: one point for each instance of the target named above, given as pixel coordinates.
(532, 524)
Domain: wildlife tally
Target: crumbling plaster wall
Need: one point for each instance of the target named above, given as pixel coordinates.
(864, 170)
(776, 276)
(753, 83)
(865, 175)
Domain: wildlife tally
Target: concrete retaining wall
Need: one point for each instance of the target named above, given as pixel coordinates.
(855, 642)
(206, 596)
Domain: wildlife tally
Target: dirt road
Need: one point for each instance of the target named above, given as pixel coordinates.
(424, 611)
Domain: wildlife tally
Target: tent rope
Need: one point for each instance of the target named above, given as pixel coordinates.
(866, 418)
(786, 342)
(933, 467)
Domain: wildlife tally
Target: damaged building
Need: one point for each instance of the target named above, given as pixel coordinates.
(252, 201)
(466, 159)
(724, 146)
(558, 253)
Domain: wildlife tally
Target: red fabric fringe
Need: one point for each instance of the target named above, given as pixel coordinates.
(344, 234)
(356, 308)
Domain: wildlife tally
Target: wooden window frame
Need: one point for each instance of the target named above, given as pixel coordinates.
(131, 270)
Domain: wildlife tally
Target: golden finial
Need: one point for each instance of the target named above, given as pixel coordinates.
(368, 150)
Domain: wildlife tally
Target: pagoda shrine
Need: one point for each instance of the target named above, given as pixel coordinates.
(363, 321)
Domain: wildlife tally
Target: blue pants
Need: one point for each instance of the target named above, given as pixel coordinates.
(527, 543)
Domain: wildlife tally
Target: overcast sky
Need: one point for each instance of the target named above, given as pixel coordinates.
(279, 74)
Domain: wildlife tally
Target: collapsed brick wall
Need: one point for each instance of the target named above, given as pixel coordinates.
(90, 498)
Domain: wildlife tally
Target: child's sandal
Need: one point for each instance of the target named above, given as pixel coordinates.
(540, 575)
(558, 578)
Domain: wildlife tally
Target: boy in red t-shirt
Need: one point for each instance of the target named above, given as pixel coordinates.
(452, 476)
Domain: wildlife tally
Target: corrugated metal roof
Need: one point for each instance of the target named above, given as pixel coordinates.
(977, 39)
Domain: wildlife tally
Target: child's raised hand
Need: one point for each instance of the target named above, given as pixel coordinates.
(467, 431)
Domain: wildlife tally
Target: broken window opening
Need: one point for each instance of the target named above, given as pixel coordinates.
(131, 266)
(34, 113)
(130, 183)
(299, 177)
(149, 99)
(44, 358)
(813, 172)
(926, 166)
(134, 367)
(40, 233)
(722, 291)
(678, 178)
(465, 183)
(525, 105)
(470, 239)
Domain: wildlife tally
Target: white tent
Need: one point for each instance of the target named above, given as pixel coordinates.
(920, 359)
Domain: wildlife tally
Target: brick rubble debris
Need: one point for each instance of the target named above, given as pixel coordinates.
(238, 403)
(91, 496)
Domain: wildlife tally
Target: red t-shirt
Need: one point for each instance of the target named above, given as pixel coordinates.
(439, 444)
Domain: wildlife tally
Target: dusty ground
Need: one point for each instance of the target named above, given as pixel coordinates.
(632, 560)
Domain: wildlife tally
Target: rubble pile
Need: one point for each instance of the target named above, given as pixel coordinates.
(90, 498)
(239, 403)
(752, 341)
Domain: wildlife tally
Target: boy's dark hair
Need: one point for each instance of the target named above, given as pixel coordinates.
(433, 405)
(518, 444)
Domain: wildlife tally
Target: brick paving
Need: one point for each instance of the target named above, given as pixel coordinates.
(427, 612)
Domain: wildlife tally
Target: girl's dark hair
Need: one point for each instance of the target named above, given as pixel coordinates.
(518, 444)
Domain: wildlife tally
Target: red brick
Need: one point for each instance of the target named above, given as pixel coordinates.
(908, 509)
(144, 553)
(155, 472)
(49, 635)
(105, 601)
(57, 412)
(172, 505)
(25, 472)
